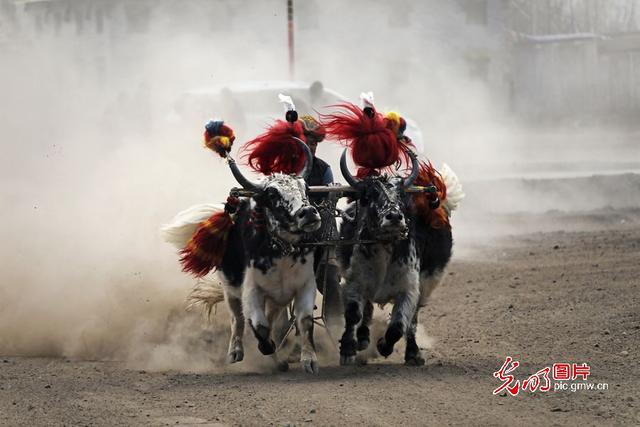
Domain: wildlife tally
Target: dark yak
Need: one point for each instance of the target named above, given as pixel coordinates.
(400, 259)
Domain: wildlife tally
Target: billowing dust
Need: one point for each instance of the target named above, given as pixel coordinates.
(92, 166)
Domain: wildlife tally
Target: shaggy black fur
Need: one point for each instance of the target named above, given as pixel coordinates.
(433, 247)
(352, 317)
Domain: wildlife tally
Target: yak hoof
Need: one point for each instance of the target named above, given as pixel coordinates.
(235, 356)
(415, 360)
(363, 337)
(346, 360)
(363, 344)
(283, 366)
(384, 349)
(362, 360)
(266, 347)
(310, 366)
(348, 347)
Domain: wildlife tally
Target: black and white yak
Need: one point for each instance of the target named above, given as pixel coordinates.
(400, 258)
(264, 267)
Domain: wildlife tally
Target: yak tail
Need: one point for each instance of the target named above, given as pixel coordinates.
(454, 189)
(184, 225)
(206, 295)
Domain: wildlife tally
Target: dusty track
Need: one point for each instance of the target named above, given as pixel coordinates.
(540, 298)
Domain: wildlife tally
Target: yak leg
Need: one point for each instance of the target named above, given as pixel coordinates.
(328, 282)
(353, 303)
(304, 304)
(412, 353)
(363, 330)
(273, 312)
(428, 282)
(236, 348)
(401, 316)
(253, 300)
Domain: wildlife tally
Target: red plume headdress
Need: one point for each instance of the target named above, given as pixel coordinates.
(276, 150)
(373, 142)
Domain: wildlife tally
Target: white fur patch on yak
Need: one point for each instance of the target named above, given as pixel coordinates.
(291, 190)
(282, 281)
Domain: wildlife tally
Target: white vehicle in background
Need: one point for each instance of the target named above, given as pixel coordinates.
(251, 105)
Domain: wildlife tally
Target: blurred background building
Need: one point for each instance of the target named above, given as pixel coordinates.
(548, 61)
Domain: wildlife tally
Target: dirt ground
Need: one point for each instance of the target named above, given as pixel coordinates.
(541, 298)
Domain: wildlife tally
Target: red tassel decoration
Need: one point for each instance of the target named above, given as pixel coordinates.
(205, 250)
(436, 218)
(276, 150)
(207, 246)
(370, 136)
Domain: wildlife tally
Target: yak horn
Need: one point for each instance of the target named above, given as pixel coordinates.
(415, 168)
(242, 180)
(308, 158)
(351, 180)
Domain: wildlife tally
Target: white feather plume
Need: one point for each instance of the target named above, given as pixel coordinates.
(287, 101)
(367, 99)
(454, 189)
(181, 228)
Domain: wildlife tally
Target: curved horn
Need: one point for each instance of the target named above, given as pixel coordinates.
(415, 168)
(308, 158)
(351, 180)
(242, 180)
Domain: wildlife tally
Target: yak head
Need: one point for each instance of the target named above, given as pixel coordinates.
(381, 201)
(288, 214)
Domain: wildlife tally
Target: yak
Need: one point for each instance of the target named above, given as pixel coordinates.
(265, 267)
(397, 257)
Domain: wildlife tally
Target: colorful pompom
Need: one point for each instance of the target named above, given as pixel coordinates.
(396, 123)
(218, 137)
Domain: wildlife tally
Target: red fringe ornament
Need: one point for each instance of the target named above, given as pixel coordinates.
(436, 218)
(276, 150)
(371, 138)
(206, 248)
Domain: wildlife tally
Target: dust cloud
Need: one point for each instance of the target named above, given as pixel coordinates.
(93, 162)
